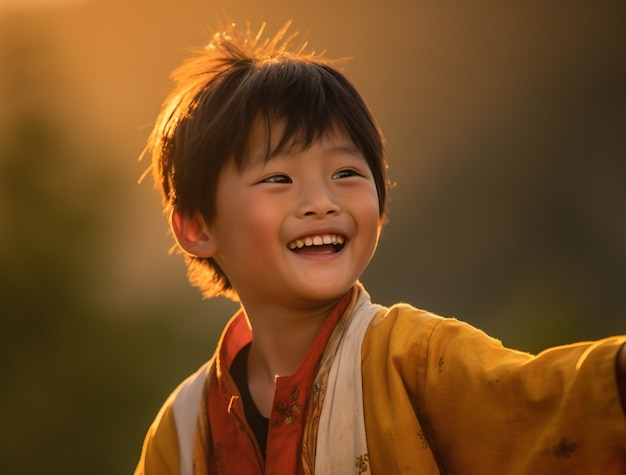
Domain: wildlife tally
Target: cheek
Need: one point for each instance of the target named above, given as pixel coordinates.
(246, 236)
(256, 221)
(368, 220)
(368, 208)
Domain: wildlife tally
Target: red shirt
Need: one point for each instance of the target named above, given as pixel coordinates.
(236, 449)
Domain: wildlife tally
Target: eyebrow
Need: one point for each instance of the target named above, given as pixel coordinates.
(349, 148)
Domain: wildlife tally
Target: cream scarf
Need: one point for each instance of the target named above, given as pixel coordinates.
(341, 441)
(340, 447)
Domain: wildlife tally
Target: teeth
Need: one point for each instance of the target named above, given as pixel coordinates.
(317, 240)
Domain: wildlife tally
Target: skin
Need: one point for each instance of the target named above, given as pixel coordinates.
(264, 215)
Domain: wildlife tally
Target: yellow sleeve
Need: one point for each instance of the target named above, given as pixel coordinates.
(442, 396)
(489, 409)
(159, 455)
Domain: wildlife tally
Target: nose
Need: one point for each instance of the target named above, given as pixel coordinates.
(316, 200)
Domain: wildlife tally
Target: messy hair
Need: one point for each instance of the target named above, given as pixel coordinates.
(219, 95)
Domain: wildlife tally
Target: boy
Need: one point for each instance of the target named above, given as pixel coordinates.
(273, 175)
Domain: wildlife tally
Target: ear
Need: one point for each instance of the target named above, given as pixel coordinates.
(192, 234)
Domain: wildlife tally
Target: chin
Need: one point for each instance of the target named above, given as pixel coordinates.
(329, 292)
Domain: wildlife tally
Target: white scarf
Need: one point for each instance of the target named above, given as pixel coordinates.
(341, 442)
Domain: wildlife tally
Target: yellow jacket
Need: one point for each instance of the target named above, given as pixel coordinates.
(441, 397)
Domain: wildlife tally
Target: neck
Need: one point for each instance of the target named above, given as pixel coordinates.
(280, 343)
(281, 340)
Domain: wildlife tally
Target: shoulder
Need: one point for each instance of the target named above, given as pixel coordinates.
(159, 453)
(419, 342)
(400, 333)
(405, 325)
(174, 426)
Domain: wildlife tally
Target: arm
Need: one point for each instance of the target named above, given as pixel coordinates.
(621, 374)
(557, 412)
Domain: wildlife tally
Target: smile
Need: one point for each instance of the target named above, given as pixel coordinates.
(334, 241)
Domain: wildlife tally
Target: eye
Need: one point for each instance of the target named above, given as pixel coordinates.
(277, 179)
(345, 173)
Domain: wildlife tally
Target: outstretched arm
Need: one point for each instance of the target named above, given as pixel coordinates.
(621, 374)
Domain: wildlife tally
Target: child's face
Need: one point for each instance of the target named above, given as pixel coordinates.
(299, 229)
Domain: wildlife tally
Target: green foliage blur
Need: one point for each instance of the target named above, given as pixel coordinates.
(79, 386)
(81, 380)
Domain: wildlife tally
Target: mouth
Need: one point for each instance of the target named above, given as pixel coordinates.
(318, 244)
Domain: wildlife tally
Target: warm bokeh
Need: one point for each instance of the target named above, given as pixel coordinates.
(506, 129)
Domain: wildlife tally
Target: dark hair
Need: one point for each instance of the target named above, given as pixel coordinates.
(220, 94)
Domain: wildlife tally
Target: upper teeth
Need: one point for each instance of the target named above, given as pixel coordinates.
(316, 240)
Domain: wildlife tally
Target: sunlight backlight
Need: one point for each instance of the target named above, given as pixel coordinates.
(12, 5)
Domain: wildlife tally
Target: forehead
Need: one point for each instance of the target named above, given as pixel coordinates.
(268, 139)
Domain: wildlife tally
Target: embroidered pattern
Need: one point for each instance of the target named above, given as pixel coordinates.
(362, 463)
(440, 364)
(422, 437)
(319, 389)
(289, 410)
(565, 448)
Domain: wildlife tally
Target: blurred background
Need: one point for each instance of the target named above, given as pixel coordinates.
(506, 130)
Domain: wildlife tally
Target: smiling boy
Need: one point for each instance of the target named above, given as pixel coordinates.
(273, 175)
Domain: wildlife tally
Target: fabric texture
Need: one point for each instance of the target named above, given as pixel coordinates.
(442, 397)
(341, 439)
(439, 397)
(234, 445)
(186, 407)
